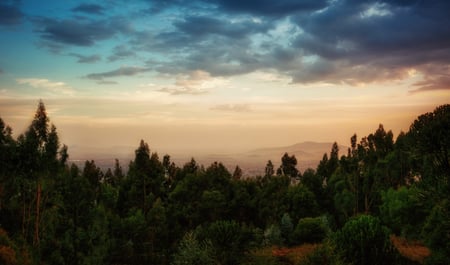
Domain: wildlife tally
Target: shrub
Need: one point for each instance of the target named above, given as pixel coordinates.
(311, 230)
(436, 232)
(190, 251)
(363, 240)
(230, 241)
(401, 211)
(286, 228)
(323, 255)
(272, 236)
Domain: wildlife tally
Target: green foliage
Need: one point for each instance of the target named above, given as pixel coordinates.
(363, 240)
(436, 232)
(192, 252)
(272, 236)
(52, 213)
(437, 258)
(431, 134)
(313, 182)
(269, 170)
(286, 228)
(324, 255)
(302, 202)
(229, 240)
(311, 230)
(288, 166)
(401, 211)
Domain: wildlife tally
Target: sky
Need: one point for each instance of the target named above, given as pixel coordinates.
(221, 75)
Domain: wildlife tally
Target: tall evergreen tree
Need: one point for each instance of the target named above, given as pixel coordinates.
(288, 166)
(269, 170)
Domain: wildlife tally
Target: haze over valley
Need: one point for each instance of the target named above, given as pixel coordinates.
(251, 162)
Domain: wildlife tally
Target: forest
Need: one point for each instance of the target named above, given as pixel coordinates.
(359, 206)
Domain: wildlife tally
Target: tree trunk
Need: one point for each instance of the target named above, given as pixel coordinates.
(366, 204)
(36, 224)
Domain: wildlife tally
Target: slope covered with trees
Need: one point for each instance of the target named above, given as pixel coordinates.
(155, 212)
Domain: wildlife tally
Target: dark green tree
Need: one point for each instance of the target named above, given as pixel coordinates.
(269, 170)
(288, 166)
(364, 240)
(237, 174)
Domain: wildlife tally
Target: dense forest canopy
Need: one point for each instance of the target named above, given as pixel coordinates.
(153, 211)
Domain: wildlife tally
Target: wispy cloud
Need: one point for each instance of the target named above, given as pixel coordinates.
(121, 52)
(435, 83)
(232, 107)
(92, 9)
(52, 86)
(122, 71)
(182, 91)
(194, 83)
(86, 58)
(107, 82)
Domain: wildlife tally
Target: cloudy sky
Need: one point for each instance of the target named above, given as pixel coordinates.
(222, 75)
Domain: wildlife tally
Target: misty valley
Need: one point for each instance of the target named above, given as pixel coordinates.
(381, 200)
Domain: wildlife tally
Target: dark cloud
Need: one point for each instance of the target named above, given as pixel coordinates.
(10, 14)
(122, 71)
(92, 9)
(272, 8)
(200, 26)
(263, 8)
(217, 45)
(366, 41)
(74, 32)
(86, 59)
(344, 41)
(79, 32)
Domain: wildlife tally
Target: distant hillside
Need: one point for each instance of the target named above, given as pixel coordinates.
(308, 155)
(253, 162)
(307, 149)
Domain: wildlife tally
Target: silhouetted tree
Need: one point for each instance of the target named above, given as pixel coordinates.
(237, 174)
(288, 166)
(269, 170)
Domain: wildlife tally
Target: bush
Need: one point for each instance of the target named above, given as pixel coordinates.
(323, 255)
(363, 240)
(272, 236)
(436, 232)
(286, 228)
(190, 251)
(311, 230)
(402, 212)
(230, 241)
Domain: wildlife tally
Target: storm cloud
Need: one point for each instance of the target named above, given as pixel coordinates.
(311, 41)
(10, 14)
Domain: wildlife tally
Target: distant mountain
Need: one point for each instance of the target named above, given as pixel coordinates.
(305, 148)
(308, 155)
(253, 162)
